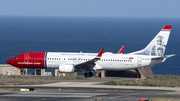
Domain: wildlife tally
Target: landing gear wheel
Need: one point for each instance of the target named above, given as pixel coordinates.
(86, 75)
(90, 74)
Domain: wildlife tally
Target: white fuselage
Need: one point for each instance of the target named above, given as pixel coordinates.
(108, 61)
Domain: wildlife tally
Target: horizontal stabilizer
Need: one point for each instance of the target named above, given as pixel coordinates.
(162, 57)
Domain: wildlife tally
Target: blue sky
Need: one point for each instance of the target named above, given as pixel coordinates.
(92, 8)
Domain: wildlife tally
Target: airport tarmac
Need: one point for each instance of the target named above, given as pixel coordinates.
(91, 90)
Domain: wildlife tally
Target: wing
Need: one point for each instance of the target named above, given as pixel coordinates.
(88, 65)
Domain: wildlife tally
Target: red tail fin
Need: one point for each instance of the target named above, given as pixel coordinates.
(167, 27)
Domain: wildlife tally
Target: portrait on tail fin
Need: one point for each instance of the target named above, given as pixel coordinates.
(158, 45)
(159, 48)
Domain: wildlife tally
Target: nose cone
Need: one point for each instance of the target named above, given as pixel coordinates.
(10, 61)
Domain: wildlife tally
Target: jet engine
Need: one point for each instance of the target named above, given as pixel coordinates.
(66, 69)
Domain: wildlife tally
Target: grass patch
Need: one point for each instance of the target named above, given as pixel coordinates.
(9, 90)
(155, 81)
(2, 83)
(30, 82)
(163, 99)
(40, 77)
(1, 75)
(20, 83)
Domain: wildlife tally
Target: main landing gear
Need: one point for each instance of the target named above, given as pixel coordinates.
(90, 74)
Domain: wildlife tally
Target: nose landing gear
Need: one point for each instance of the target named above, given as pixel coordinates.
(90, 74)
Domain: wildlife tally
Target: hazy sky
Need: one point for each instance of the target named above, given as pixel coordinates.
(92, 8)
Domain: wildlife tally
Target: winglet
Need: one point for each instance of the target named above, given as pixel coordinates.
(101, 52)
(121, 50)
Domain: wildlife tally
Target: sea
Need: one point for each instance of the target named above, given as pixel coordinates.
(21, 34)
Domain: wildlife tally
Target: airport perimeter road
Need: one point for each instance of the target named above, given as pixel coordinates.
(87, 91)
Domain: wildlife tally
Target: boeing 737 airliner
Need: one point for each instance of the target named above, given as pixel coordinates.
(68, 62)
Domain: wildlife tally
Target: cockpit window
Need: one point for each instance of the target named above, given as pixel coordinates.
(16, 57)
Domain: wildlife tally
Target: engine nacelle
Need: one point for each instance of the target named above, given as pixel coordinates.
(66, 69)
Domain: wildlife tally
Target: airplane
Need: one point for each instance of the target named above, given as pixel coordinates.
(70, 62)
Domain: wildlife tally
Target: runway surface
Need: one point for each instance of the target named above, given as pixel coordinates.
(84, 94)
(84, 90)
